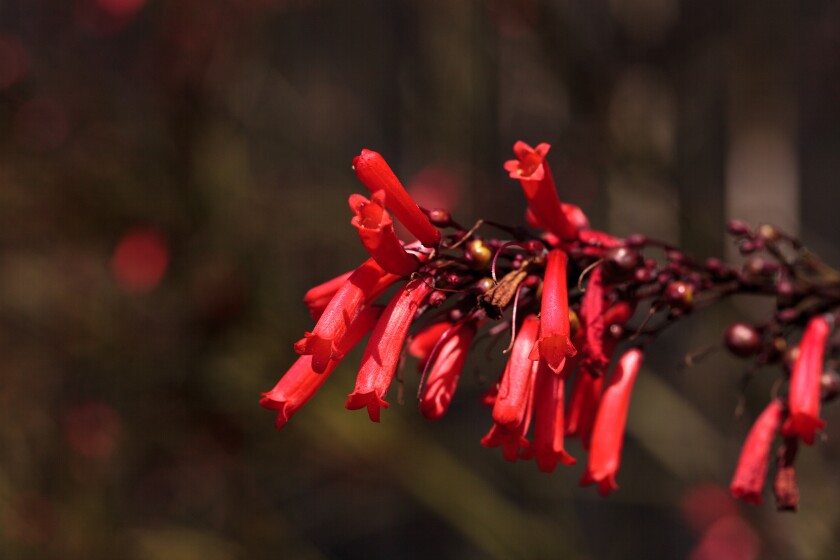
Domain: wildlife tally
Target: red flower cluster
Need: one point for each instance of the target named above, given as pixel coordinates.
(565, 294)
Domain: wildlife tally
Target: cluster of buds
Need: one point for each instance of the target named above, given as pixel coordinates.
(566, 295)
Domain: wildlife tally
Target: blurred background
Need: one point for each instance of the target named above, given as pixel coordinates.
(174, 176)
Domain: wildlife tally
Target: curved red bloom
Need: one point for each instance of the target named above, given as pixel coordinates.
(301, 382)
(539, 189)
(512, 441)
(804, 395)
(573, 213)
(608, 432)
(372, 170)
(592, 312)
(583, 406)
(376, 230)
(445, 371)
(547, 445)
(424, 341)
(748, 481)
(362, 286)
(516, 387)
(318, 297)
(554, 344)
(379, 362)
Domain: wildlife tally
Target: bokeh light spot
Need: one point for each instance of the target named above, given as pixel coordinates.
(140, 260)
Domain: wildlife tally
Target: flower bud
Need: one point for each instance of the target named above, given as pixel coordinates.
(829, 385)
(440, 217)
(737, 227)
(742, 340)
(680, 295)
(479, 253)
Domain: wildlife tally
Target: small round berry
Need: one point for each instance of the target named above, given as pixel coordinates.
(829, 385)
(680, 294)
(768, 232)
(440, 217)
(484, 285)
(437, 298)
(479, 253)
(747, 247)
(644, 275)
(636, 240)
(714, 265)
(623, 259)
(574, 323)
(737, 227)
(742, 340)
(534, 246)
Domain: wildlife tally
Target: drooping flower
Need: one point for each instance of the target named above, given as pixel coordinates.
(372, 170)
(804, 395)
(513, 403)
(318, 297)
(608, 432)
(516, 386)
(376, 230)
(539, 189)
(382, 354)
(362, 286)
(592, 312)
(748, 480)
(547, 445)
(424, 341)
(583, 406)
(445, 370)
(301, 382)
(554, 344)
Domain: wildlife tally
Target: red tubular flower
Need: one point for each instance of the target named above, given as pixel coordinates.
(376, 230)
(748, 481)
(445, 370)
(300, 383)
(379, 362)
(372, 170)
(424, 341)
(608, 432)
(804, 395)
(573, 213)
(538, 185)
(362, 286)
(583, 406)
(317, 298)
(592, 313)
(516, 387)
(554, 344)
(547, 445)
(512, 441)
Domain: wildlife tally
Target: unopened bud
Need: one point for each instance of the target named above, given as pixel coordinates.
(742, 340)
(829, 385)
(437, 298)
(636, 240)
(478, 253)
(440, 217)
(768, 232)
(737, 227)
(574, 323)
(680, 295)
(484, 285)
